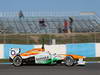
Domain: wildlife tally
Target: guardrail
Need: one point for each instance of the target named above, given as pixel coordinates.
(84, 49)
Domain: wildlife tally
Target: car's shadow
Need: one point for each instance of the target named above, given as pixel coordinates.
(41, 64)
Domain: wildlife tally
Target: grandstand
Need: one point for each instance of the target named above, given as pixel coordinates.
(84, 22)
(27, 29)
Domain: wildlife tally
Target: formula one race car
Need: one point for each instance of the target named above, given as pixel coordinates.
(41, 56)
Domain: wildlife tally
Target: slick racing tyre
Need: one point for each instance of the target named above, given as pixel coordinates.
(17, 61)
(69, 61)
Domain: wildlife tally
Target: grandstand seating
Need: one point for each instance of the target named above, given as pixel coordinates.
(30, 25)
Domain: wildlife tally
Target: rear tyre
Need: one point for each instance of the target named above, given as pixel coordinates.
(69, 61)
(17, 61)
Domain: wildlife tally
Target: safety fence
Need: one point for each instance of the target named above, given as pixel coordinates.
(83, 49)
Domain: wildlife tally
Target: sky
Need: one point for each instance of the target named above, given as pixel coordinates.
(50, 5)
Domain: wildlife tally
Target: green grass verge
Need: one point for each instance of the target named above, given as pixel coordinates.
(86, 59)
(62, 38)
(4, 60)
(92, 59)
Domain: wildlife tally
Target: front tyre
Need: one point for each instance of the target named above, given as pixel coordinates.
(69, 61)
(17, 61)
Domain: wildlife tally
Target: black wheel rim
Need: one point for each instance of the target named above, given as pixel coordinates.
(17, 61)
(69, 61)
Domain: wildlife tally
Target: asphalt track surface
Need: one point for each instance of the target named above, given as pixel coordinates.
(89, 69)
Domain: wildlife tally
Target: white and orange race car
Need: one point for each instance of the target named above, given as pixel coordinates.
(41, 56)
